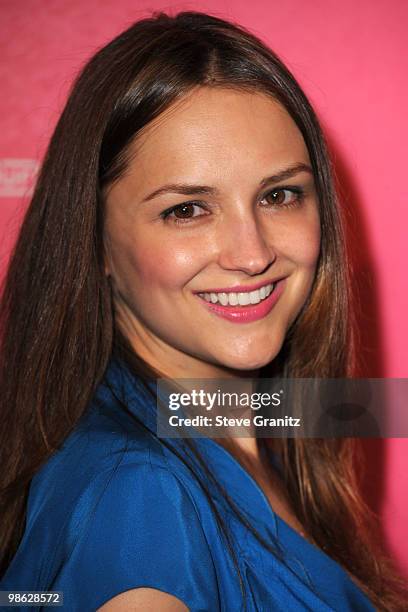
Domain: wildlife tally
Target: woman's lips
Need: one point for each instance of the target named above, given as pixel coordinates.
(247, 314)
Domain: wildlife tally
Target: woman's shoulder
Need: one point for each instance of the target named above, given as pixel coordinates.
(138, 525)
(109, 512)
(104, 451)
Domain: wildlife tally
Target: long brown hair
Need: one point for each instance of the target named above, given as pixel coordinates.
(57, 321)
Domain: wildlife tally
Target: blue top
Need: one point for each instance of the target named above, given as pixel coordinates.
(115, 509)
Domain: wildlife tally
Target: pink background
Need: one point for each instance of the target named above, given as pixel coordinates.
(350, 59)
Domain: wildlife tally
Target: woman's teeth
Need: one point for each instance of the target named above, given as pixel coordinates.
(239, 299)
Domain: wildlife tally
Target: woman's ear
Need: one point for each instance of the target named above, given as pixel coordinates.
(107, 268)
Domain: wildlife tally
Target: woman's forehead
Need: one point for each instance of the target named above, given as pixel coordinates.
(217, 131)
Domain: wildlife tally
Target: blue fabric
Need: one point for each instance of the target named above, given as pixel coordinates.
(115, 509)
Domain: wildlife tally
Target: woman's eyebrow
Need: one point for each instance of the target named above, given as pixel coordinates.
(186, 189)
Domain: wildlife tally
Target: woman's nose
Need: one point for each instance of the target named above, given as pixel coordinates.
(243, 245)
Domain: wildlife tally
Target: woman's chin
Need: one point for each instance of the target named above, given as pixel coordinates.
(244, 356)
(247, 362)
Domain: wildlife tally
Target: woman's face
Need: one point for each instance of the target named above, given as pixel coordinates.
(213, 234)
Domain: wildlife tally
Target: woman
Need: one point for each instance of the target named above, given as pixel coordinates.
(187, 177)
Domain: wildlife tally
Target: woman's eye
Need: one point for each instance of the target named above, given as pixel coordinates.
(285, 196)
(182, 212)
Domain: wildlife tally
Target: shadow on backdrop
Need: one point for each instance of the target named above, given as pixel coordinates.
(370, 344)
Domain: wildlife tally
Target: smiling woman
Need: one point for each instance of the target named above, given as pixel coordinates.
(242, 232)
(184, 225)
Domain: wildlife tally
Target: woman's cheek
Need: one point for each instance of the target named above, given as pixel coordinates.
(167, 265)
(304, 243)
